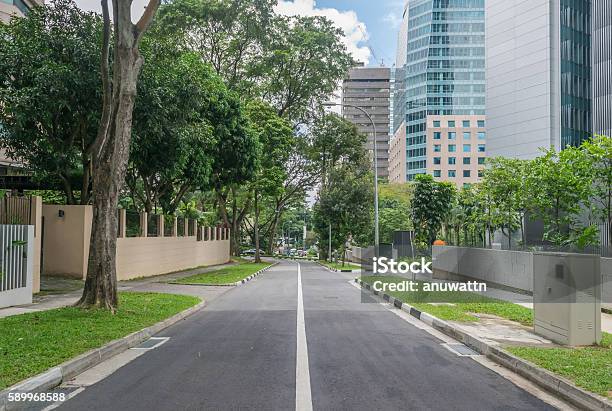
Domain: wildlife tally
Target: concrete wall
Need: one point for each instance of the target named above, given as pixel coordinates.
(144, 257)
(505, 269)
(67, 238)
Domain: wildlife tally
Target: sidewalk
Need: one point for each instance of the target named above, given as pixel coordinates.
(57, 292)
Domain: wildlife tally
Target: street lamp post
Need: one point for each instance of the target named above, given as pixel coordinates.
(376, 235)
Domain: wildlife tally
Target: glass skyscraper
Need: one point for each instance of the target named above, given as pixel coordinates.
(575, 55)
(443, 72)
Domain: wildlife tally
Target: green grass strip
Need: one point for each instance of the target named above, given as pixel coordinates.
(338, 265)
(226, 275)
(588, 367)
(465, 303)
(34, 342)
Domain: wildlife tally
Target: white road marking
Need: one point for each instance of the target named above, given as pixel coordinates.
(303, 395)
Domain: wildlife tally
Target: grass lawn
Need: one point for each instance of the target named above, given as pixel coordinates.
(588, 367)
(226, 275)
(338, 265)
(34, 342)
(465, 303)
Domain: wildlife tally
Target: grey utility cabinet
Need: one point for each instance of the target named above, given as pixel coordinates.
(567, 297)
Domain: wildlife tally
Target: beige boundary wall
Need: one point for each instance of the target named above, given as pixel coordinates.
(67, 237)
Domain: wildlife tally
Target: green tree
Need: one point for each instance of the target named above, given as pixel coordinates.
(430, 205)
(346, 204)
(275, 137)
(558, 186)
(394, 209)
(173, 130)
(110, 149)
(504, 180)
(599, 153)
(50, 92)
(304, 62)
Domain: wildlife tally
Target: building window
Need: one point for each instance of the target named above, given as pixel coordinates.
(481, 148)
(436, 123)
(452, 135)
(452, 148)
(437, 173)
(466, 123)
(480, 173)
(467, 161)
(437, 160)
(467, 135)
(467, 173)
(467, 148)
(481, 123)
(451, 124)
(437, 148)
(452, 173)
(452, 160)
(481, 160)
(482, 135)
(467, 185)
(437, 135)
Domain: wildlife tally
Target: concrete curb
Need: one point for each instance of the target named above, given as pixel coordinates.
(334, 270)
(237, 283)
(71, 368)
(544, 378)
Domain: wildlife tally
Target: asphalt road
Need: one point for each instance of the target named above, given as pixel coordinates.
(240, 353)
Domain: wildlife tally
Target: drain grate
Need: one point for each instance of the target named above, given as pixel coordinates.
(151, 343)
(461, 350)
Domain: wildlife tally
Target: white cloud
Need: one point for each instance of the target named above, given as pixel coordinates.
(355, 32)
(393, 19)
(138, 7)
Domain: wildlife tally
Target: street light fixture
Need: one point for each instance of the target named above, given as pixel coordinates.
(331, 104)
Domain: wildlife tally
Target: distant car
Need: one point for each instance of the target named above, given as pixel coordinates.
(251, 251)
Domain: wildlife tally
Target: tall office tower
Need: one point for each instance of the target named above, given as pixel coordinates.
(16, 8)
(369, 89)
(538, 75)
(602, 67)
(443, 64)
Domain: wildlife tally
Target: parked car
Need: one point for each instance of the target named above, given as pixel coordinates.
(251, 251)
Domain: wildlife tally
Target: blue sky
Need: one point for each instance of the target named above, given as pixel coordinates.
(381, 17)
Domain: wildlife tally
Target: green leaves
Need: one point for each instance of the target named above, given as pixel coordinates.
(50, 91)
(430, 205)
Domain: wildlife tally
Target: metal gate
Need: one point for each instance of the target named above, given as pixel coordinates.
(16, 264)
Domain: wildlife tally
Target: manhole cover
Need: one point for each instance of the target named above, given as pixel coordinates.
(461, 350)
(151, 343)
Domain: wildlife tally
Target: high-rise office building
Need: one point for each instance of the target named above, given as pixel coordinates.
(602, 66)
(538, 75)
(16, 8)
(440, 71)
(369, 89)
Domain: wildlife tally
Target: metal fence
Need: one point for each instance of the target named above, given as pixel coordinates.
(16, 264)
(16, 210)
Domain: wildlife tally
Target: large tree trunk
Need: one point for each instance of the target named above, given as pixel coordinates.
(111, 148)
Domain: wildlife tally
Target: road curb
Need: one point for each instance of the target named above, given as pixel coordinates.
(249, 278)
(237, 283)
(334, 270)
(544, 378)
(67, 370)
